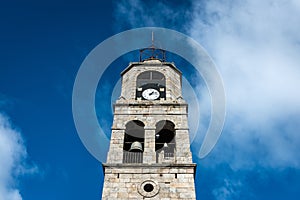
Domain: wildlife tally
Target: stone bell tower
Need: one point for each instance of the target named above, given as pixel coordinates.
(149, 155)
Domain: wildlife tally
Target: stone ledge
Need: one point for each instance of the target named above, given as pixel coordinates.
(170, 64)
(151, 103)
(149, 165)
(141, 168)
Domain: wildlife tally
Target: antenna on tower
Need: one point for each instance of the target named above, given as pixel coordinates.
(152, 39)
(152, 52)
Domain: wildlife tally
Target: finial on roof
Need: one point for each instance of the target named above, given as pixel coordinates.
(152, 52)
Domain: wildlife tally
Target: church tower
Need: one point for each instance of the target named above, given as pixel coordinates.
(149, 155)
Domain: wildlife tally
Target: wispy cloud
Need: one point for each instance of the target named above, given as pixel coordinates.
(136, 13)
(13, 160)
(229, 190)
(256, 47)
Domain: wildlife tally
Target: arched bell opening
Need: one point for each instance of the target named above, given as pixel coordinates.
(133, 146)
(165, 143)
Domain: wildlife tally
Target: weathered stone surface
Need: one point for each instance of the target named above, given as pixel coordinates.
(171, 185)
(171, 177)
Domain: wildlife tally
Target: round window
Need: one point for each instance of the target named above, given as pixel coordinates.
(148, 188)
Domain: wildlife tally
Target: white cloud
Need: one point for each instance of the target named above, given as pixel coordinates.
(229, 190)
(12, 160)
(256, 46)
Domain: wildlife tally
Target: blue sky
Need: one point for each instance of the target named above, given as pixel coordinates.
(254, 44)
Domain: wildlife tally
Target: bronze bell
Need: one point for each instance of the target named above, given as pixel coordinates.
(136, 147)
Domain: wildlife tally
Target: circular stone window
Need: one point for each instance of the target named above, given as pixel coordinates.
(148, 188)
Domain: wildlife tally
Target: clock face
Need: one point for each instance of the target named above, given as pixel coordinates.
(151, 94)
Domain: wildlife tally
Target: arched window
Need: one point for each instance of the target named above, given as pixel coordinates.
(134, 138)
(165, 143)
(151, 77)
(151, 80)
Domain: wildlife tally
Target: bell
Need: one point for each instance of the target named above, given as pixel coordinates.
(165, 145)
(136, 147)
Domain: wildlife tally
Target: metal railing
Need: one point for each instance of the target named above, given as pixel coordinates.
(132, 157)
(162, 157)
(168, 155)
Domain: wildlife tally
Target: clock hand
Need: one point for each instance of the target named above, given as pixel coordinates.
(151, 93)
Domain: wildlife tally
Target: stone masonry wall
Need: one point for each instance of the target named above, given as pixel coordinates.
(173, 78)
(153, 178)
(150, 115)
(169, 182)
